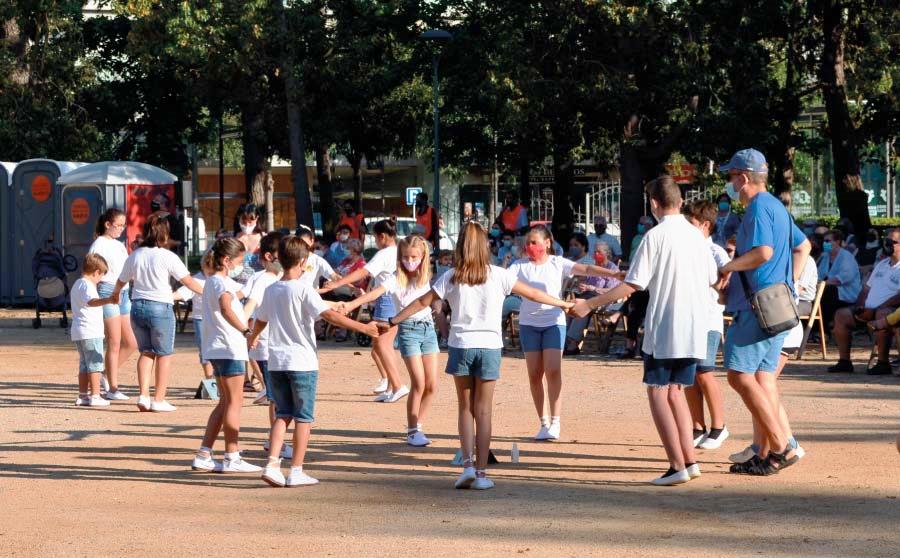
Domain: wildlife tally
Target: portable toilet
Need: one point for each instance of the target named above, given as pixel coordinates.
(6, 172)
(33, 221)
(88, 191)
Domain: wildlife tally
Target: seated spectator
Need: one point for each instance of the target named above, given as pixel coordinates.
(508, 250)
(600, 235)
(645, 223)
(588, 287)
(348, 265)
(338, 249)
(839, 270)
(878, 299)
(868, 254)
(806, 286)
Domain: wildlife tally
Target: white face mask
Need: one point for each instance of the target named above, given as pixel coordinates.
(344, 237)
(248, 229)
(236, 271)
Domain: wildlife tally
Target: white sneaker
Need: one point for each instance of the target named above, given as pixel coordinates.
(381, 387)
(678, 477)
(799, 451)
(104, 383)
(710, 443)
(83, 401)
(97, 401)
(207, 464)
(298, 478)
(417, 439)
(144, 403)
(482, 483)
(699, 439)
(116, 396)
(384, 397)
(262, 398)
(239, 466)
(694, 471)
(273, 476)
(553, 431)
(742, 456)
(466, 479)
(162, 407)
(398, 395)
(543, 433)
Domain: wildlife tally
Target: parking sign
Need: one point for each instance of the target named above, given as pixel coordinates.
(411, 194)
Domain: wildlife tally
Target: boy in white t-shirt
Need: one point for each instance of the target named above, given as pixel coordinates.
(674, 264)
(87, 330)
(289, 311)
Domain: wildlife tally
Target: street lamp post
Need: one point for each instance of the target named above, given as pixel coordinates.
(437, 36)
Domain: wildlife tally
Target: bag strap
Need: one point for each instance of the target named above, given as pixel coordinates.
(790, 259)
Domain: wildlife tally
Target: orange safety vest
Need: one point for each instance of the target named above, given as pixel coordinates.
(510, 218)
(355, 224)
(425, 220)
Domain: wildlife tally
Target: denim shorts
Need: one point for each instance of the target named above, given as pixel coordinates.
(416, 338)
(198, 339)
(536, 339)
(227, 368)
(713, 338)
(667, 371)
(90, 355)
(294, 394)
(479, 363)
(114, 310)
(264, 370)
(384, 308)
(747, 347)
(154, 326)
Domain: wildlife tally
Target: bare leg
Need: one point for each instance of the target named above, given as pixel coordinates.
(214, 423)
(759, 406)
(378, 364)
(534, 361)
(112, 328)
(384, 346)
(127, 347)
(163, 366)
(843, 326)
(709, 384)
(666, 426)
(553, 372)
(682, 415)
(483, 407)
(883, 337)
(276, 436)
(465, 389)
(231, 418)
(144, 371)
(417, 389)
(95, 383)
(302, 431)
(84, 383)
(694, 397)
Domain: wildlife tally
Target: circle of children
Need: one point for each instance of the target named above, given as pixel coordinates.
(680, 266)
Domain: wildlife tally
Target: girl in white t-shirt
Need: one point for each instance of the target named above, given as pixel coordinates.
(152, 317)
(416, 337)
(225, 346)
(475, 290)
(120, 341)
(382, 266)
(542, 328)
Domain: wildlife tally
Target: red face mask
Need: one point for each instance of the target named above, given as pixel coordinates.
(535, 251)
(600, 258)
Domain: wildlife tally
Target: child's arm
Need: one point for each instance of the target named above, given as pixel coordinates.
(354, 277)
(539, 296)
(333, 317)
(190, 283)
(258, 327)
(94, 302)
(585, 306)
(597, 271)
(364, 299)
(415, 306)
(230, 315)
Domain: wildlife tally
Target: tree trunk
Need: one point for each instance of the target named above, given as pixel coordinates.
(789, 107)
(355, 160)
(326, 191)
(563, 184)
(254, 152)
(853, 201)
(16, 43)
(631, 199)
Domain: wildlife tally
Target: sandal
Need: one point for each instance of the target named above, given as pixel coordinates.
(745, 467)
(774, 463)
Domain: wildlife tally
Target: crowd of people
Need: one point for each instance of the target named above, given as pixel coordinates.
(259, 299)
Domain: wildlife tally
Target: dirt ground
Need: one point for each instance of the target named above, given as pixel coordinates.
(114, 482)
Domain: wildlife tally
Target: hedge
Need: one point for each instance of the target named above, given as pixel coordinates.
(831, 220)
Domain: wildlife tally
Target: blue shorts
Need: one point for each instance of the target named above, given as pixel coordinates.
(416, 338)
(90, 355)
(478, 363)
(198, 339)
(384, 308)
(154, 327)
(114, 310)
(264, 370)
(664, 372)
(227, 368)
(713, 338)
(536, 339)
(294, 394)
(747, 347)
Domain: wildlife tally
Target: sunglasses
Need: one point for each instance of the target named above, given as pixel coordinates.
(889, 242)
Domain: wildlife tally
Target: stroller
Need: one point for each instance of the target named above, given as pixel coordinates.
(51, 289)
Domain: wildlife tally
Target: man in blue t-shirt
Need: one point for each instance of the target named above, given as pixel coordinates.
(770, 250)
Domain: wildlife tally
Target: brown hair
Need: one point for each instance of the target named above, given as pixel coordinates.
(94, 262)
(292, 251)
(269, 243)
(107, 216)
(665, 191)
(836, 234)
(387, 227)
(543, 231)
(703, 211)
(423, 274)
(226, 247)
(208, 260)
(473, 256)
(156, 232)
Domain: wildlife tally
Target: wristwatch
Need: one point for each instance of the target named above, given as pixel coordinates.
(247, 332)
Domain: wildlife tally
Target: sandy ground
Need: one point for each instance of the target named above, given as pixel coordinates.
(83, 482)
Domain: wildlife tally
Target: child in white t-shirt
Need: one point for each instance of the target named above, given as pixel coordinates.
(289, 312)
(87, 330)
(475, 290)
(416, 337)
(185, 294)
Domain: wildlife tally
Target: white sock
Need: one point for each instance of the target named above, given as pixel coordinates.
(411, 431)
(204, 449)
(84, 395)
(274, 462)
(545, 420)
(297, 469)
(233, 455)
(554, 420)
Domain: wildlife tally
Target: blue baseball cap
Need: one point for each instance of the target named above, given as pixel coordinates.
(747, 160)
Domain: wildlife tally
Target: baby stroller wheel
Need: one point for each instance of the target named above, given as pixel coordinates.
(64, 322)
(363, 340)
(36, 323)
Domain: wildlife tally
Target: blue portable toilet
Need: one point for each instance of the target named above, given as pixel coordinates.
(33, 218)
(6, 172)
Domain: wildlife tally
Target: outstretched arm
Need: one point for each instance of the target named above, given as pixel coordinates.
(364, 299)
(539, 296)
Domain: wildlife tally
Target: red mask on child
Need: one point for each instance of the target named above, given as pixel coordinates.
(600, 258)
(535, 251)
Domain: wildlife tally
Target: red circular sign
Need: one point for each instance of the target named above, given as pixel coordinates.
(80, 211)
(40, 188)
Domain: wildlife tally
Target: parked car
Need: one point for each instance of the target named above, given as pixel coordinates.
(405, 226)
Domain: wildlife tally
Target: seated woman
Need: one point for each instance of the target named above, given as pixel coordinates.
(589, 287)
(338, 251)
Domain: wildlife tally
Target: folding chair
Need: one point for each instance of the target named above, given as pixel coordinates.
(605, 331)
(815, 315)
(512, 325)
(182, 311)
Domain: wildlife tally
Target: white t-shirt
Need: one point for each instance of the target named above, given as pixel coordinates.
(220, 339)
(884, 283)
(188, 295)
(477, 310)
(261, 281)
(405, 297)
(382, 265)
(150, 269)
(548, 277)
(716, 310)
(291, 309)
(87, 321)
(316, 269)
(808, 282)
(115, 254)
(674, 263)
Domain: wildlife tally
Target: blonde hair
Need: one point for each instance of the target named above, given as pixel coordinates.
(473, 256)
(424, 272)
